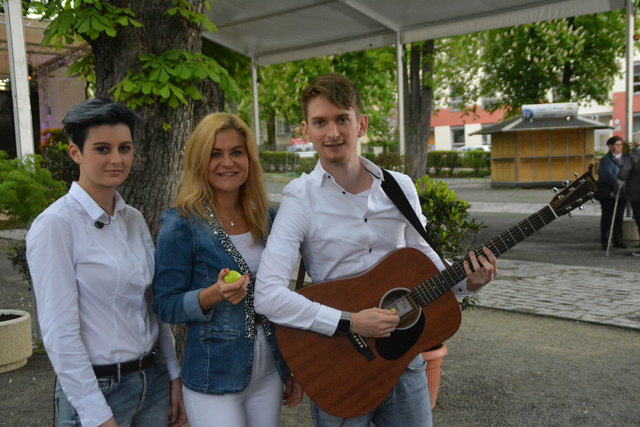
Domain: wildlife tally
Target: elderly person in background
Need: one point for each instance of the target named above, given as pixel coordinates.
(608, 170)
(630, 172)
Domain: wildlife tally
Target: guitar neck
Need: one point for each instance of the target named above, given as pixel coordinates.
(442, 282)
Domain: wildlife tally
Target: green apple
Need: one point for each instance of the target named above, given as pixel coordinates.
(232, 276)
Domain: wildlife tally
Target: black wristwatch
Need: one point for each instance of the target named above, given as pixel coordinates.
(344, 324)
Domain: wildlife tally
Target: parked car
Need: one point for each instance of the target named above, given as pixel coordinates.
(467, 148)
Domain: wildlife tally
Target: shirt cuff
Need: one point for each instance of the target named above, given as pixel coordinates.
(326, 320)
(173, 369)
(191, 305)
(461, 291)
(93, 409)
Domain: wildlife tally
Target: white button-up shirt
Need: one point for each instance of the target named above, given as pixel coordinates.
(93, 292)
(340, 235)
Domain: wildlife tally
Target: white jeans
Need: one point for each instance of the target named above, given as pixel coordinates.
(257, 405)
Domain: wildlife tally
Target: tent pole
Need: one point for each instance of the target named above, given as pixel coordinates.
(256, 109)
(399, 79)
(19, 75)
(629, 70)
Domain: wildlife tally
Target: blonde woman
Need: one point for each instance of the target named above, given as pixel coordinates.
(233, 373)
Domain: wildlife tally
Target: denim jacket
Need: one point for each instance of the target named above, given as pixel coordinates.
(218, 354)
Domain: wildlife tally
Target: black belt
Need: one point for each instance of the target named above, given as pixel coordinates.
(141, 364)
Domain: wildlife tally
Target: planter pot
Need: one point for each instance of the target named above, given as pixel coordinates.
(433, 358)
(15, 339)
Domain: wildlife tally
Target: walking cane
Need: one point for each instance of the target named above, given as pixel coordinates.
(613, 219)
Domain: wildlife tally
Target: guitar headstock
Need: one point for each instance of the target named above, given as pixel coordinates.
(575, 194)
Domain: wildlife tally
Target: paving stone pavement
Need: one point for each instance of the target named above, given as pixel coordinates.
(551, 290)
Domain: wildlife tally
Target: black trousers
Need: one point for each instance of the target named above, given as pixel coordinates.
(606, 218)
(636, 213)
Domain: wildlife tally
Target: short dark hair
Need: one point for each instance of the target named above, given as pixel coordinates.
(95, 112)
(613, 140)
(339, 90)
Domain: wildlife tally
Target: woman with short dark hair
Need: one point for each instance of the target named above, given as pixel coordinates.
(91, 258)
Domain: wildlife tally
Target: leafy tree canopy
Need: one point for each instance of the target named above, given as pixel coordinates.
(574, 59)
(168, 77)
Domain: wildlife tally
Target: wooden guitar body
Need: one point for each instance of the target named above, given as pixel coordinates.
(331, 371)
(342, 381)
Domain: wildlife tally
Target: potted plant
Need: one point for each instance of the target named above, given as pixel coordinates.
(26, 188)
(15, 339)
(448, 227)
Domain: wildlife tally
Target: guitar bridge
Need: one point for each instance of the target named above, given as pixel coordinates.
(362, 347)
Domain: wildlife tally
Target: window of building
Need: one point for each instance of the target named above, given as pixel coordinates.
(281, 127)
(488, 102)
(636, 77)
(457, 137)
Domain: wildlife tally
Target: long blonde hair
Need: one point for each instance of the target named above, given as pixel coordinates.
(194, 191)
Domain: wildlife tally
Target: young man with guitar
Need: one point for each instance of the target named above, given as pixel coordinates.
(343, 223)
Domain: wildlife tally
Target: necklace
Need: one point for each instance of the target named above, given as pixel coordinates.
(232, 222)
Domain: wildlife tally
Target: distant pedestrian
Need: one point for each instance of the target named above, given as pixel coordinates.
(608, 170)
(630, 172)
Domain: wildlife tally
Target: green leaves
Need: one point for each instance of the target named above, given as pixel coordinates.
(84, 19)
(186, 10)
(573, 59)
(26, 188)
(171, 77)
(447, 223)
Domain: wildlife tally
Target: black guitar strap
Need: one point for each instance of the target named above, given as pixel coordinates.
(397, 196)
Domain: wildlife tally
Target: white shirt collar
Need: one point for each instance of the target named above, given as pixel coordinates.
(319, 175)
(90, 206)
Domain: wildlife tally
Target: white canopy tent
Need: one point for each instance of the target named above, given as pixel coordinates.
(276, 31)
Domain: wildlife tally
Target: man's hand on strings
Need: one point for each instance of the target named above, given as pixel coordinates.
(484, 267)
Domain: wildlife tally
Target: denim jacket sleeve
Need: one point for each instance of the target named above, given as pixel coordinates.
(173, 299)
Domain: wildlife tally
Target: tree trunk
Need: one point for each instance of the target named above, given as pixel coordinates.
(418, 80)
(159, 141)
(271, 132)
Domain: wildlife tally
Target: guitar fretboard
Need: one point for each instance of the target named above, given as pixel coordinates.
(438, 284)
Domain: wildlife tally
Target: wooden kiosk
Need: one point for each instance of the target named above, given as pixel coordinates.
(530, 152)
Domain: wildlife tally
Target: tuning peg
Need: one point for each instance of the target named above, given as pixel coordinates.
(554, 189)
(570, 215)
(565, 182)
(581, 207)
(576, 174)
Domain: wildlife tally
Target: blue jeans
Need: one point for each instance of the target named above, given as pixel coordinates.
(139, 399)
(407, 405)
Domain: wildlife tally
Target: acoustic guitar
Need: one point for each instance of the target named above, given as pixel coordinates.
(348, 376)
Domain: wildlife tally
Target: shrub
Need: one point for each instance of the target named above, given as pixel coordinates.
(478, 161)
(26, 187)
(451, 160)
(277, 161)
(390, 161)
(448, 225)
(387, 160)
(306, 165)
(56, 159)
(18, 256)
(51, 136)
(435, 160)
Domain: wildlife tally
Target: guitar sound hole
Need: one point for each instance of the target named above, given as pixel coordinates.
(399, 299)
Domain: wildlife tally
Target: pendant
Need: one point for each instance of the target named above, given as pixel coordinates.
(233, 224)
